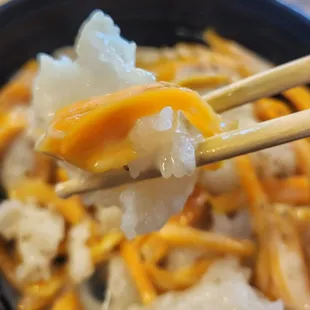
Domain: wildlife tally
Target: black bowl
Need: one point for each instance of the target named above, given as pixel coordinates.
(268, 27)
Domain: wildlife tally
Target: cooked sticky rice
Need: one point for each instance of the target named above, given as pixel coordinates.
(121, 292)
(19, 156)
(80, 261)
(37, 232)
(105, 63)
(164, 140)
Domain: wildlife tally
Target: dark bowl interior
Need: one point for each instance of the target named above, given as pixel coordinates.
(265, 26)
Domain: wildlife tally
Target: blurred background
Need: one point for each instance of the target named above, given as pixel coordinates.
(298, 4)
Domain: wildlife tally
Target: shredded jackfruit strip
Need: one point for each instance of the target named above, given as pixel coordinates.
(93, 134)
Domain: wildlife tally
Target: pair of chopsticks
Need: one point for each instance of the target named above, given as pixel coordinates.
(234, 143)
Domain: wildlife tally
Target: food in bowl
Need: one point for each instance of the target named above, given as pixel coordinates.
(230, 238)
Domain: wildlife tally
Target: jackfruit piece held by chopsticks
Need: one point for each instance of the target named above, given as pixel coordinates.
(93, 134)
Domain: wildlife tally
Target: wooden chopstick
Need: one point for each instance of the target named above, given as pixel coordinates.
(224, 146)
(237, 142)
(261, 85)
(258, 137)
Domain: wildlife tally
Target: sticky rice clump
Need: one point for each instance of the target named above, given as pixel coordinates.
(37, 231)
(19, 159)
(105, 63)
(80, 261)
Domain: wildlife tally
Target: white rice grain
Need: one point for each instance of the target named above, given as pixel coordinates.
(164, 141)
(37, 232)
(105, 63)
(121, 290)
(19, 158)
(109, 218)
(148, 205)
(80, 262)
